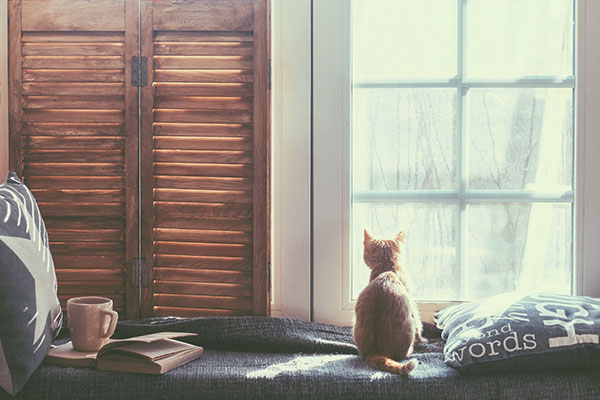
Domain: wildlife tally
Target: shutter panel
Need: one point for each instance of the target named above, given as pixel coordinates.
(204, 157)
(70, 128)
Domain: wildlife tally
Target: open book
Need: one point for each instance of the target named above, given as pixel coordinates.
(156, 353)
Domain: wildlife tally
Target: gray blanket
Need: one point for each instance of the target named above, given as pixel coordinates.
(276, 358)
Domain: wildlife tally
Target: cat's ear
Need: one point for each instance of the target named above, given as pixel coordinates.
(368, 237)
(400, 237)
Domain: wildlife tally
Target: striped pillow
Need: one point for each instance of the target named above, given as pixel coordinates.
(31, 314)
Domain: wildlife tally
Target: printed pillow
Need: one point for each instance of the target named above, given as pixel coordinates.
(30, 311)
(517, 331)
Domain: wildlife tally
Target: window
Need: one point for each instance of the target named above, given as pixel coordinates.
(462, 135)
(498, 199)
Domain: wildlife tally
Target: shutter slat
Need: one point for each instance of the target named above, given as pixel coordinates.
(181, 129)
(196, 312)
(216, 302)
(206, 223)
(85, 209)
(72, 88)
(74, 75)
(202, 275)
(74, 62)
(170, 115)
(70, 129)
(80, 169)
(72, 49)
(57, 156)
(203, 196)
(78, 275)
(83, 143)
(203, 62)
(78, 196)
(204, 103)
(74, 102)
(203, 262)
(87, 262)
(201, 249)
(72, 37)
(203, 156)
(198, 169)
(208, 236)
(206, 76)
(76, 182)
(199, 182)
(203, 288)
(207, 36)
(202, 210)
(203, 143)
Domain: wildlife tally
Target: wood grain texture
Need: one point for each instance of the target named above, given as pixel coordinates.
(217, 302)
(199, 129)
(4, 83)
(15, 152)
(203, 288)
(206, 75)
(74, 62)
(203, 262)
(200, 182)
(203, 62)
(261, 304)
(203, 156)
(206, 236)
(196, 312)
(73, 75)
(73, 129)
(69, 98)
(146, 151)
(132, 141)
(206, 15)
(61, 15)
(202, 223)
(202, 275)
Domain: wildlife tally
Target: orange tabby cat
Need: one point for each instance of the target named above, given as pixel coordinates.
(387, 319)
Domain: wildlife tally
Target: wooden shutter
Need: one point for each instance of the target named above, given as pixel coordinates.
(74, 135)
(204, 157)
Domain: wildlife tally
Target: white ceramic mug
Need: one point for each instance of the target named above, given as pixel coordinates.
(91, 322)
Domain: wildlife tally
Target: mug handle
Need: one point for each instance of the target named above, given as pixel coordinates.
(113, 323)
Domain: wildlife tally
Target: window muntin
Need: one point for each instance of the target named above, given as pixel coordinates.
(470, 151)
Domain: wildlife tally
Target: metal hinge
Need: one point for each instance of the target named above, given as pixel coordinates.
(139, 71)
(139, 272)
(269, 72)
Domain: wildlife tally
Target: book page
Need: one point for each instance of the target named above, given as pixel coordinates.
(155, 350)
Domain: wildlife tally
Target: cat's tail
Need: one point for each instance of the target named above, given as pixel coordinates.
(387, 364)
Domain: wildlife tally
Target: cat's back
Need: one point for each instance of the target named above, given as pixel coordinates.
(386, 290)
(383, 316)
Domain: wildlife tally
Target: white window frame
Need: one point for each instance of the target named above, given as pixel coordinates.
(329, 299)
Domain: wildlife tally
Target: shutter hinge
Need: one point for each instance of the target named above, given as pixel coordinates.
(270, 73)
(139, 71)
(139, 272)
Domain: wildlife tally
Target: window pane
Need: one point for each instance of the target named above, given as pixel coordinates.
(429, 252)
(384, 33)
(517, 38)
(518, 246)
(520, 138)
(404, 139)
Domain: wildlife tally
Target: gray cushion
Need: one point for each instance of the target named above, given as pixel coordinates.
(30, 310)
(516, 331)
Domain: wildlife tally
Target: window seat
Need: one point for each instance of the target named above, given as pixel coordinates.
(276, 358)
